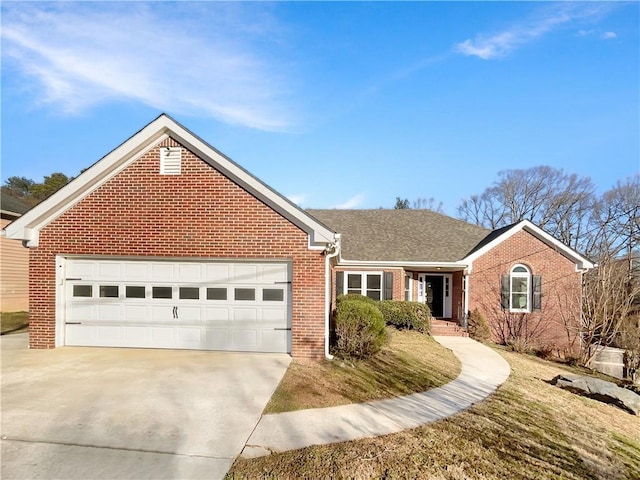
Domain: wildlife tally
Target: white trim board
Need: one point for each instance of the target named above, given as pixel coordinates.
(581, 262)
(27, 227)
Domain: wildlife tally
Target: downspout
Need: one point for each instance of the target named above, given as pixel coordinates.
(331, 251)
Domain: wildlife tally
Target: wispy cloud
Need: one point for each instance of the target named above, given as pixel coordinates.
(298, 198)
(547, 20)
(352, 202)
(218, 63)
(608, 35)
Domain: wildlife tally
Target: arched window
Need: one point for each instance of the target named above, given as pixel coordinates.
(520, 289)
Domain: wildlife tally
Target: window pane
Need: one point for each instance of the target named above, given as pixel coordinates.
(82, 290)
(519, 285)
(519, 300)
(374, 294)
(358, 291)
(373, 281)
(406, 282)
(216, 293)
(134, 292)
(162, 292)
(245, 293)
(189, 293)
(354, 281)
(272, 295)
(110, 291)
(520, 270)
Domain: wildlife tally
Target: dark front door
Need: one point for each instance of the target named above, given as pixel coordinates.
(433, 294)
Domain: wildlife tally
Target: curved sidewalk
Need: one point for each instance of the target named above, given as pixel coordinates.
(483, 371)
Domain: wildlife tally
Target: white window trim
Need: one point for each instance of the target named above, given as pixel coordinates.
(410, 289)
(526, 275)
(363, 284)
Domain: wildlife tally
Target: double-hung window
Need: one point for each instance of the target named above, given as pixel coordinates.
(368, 284)
(521, 291)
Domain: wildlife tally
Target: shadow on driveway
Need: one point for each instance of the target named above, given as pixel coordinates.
(77, 412)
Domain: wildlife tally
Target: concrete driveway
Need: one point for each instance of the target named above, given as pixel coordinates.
(129, 413)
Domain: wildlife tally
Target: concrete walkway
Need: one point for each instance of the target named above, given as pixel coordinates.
(483, 371)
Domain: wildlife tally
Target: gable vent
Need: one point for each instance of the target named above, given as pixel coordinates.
(170, 160)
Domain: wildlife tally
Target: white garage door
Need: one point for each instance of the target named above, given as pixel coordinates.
(189, 305)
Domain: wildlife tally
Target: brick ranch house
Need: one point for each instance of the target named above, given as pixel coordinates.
(167, 243)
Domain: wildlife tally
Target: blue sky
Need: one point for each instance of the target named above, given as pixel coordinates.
(335, 105)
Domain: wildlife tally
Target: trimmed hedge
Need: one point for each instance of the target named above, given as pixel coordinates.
(355, 296)
(409, 315)
(360, 328)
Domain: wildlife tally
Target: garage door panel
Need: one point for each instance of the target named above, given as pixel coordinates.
(135, 313)
(190, 314)
(241, 306)
(78, 335)
(187, 272)
(244, 274)
(188, 336)
(81, 312)
(245, 314)
(109, 313)
(274, 340)
(136, 271)
(109, 270)
(244, 338)
(216, 314)
(217, 273)
(112, 335)
(81, 269)
(273, 273)
(162, 272)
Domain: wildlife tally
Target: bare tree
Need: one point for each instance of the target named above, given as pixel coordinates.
(552, 199)
(428, 204)
(611, 304)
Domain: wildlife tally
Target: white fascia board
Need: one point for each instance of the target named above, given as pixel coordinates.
(453, 266)
(27, 226)
(581, 262)
(158, 130)
(319, 235)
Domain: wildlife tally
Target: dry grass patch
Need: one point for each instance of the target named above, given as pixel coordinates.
(411, 362)
(528, 429)
(14, 322)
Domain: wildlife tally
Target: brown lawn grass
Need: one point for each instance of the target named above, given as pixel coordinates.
(14, 322)
(528, 429)
(411, 362)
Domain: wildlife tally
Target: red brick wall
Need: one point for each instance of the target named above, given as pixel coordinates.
(198, 214)
(556, 324)
(457, 298)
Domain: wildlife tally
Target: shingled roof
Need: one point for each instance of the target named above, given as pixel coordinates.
(12, 206)
(401, 235)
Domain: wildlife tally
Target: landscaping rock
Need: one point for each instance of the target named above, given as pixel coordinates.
(601, 390)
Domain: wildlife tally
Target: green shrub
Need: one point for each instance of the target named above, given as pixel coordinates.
(360, 328)
(478, 327)
(355, 296)
(409, 315)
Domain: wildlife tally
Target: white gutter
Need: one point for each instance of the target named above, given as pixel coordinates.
(404, 264)
(332, 251)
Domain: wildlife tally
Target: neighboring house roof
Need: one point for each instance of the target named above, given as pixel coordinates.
(401, 235)
(27, 227)
(12, 206)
